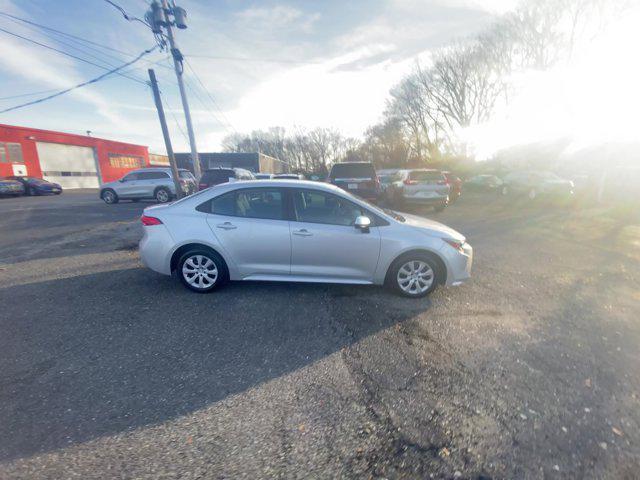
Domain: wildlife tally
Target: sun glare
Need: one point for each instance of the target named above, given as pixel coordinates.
(591, 100)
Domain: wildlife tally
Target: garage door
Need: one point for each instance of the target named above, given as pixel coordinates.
(69, 165)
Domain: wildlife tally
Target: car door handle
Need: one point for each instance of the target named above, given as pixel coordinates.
(302, 233)
(226, 226)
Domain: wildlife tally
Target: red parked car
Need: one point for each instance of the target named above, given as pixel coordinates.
(455, 186)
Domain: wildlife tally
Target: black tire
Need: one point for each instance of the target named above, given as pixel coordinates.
(204, 255)
(435, 266)
(109, 197)
(162, 195)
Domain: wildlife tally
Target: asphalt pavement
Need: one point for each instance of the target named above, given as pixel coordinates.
(109, 370)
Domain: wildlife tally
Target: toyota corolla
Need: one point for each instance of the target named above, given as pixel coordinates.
(299, 231)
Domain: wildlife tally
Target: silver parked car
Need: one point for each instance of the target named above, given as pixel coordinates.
(154, 183)
(419, 186)
(299, 231)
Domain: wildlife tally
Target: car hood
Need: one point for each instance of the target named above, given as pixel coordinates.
(435, 229)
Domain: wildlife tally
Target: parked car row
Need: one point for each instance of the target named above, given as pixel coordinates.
(17, 186)
(395, 187)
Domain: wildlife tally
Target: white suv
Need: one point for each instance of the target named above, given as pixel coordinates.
(147, 183)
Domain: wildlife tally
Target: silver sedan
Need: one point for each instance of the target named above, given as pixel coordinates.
(299, 231)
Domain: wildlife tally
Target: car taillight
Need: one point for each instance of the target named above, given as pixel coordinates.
(148, 221)
(410, 182)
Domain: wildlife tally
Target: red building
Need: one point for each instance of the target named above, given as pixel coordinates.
(73, 161)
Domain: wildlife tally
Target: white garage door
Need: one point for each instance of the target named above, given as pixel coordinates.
(69, 165)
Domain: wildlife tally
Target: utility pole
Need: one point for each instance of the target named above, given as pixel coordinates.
(159, 17)
(165, 132)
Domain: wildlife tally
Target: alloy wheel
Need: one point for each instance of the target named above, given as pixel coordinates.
(108, 197)
(415, 277)
(162, 196)
(200, 272)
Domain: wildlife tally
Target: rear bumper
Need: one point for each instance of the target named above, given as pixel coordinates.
(436, 199)
(155, 249)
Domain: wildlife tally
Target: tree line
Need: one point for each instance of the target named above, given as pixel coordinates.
(462, 85)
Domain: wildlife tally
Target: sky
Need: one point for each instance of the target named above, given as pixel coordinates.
(268, 63)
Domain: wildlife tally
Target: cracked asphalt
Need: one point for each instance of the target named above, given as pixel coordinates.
(108, 370)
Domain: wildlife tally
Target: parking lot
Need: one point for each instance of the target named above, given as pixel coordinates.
(528, 371)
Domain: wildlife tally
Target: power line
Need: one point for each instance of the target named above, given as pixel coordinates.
(29, 94)
(210, 96)
(125, 14)
(69, 54)
(94, 80)
(82, 41)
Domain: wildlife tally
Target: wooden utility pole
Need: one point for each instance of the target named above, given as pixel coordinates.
(165, 132)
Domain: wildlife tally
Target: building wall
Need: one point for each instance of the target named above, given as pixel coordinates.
(114, 158)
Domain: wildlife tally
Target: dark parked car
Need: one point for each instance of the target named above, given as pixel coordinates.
(455, 186)
(11, 187)
(216, 176)
(358, 178)
(484, 182)
(534, 184)
(38, 186)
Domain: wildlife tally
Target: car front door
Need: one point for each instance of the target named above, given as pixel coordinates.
(128, 185)
(324, 242)
(252, 226)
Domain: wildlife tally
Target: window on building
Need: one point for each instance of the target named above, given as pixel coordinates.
(125, 161)
(3, 153)
(15, 152)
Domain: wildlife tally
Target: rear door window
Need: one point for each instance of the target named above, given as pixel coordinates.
(264, 203)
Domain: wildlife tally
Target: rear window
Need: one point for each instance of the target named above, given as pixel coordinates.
(218, 176)
(426, 176)
(352, 170)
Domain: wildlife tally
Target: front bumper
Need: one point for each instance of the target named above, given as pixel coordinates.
(458, 264)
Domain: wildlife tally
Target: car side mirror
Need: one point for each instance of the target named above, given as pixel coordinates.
(362, 223)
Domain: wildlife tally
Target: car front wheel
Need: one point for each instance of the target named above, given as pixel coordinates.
(109, 197)
(202, 271)
(414, 276)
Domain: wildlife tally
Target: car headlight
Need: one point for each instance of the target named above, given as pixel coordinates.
(458, 245)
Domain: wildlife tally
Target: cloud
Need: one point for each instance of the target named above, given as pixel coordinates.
(277, 18)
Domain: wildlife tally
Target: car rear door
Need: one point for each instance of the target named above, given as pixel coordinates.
(324, 242)
(252, 226)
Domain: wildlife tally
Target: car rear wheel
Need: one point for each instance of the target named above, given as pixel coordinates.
(202, 271)
(109, 197)
(414, 276)
(163, 195)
